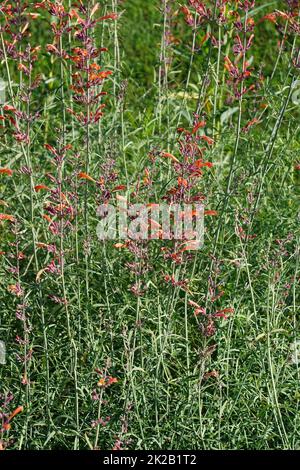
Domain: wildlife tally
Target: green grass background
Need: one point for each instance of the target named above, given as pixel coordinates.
(153, 343)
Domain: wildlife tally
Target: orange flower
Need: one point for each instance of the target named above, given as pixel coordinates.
(225, 310)
(190, 245)
(85, 177)
(41, 245)
(207, 139)
(169, 155)
(120, 245)
(51, 149)
(203, 41)
(182, 182)
(199, 125)
(110, 16)
(39, 187)
(101, 382)
(210, 212)
(48, 218)
(95, 67)
(18, 410)
(193, 304)
(52, 48)
(8, 107)
(112, 380)
(250, 124)
(107, 381)
(121, 187)
(7, 217)
(200, 164)
(6, 171)
(270, 17)
(23, 68)
(15, 289)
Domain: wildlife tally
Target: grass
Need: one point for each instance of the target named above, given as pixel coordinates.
(176, 387)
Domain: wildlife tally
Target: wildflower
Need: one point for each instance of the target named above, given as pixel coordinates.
(117, 445)
(170, 156)
(197, 308)
(103, 422)
(222, 313)
(210, 212)
(84, 176)
(40, 187)
(198, 125)
(8, 217)
(6, 171)
(183, 284)
(251, 123)
(6, 425)
(209, 327)
(16, 289)
(105, 380)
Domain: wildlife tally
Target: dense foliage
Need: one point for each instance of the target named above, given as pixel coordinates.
(149, 344)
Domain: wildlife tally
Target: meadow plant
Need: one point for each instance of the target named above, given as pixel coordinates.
(157, 340)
